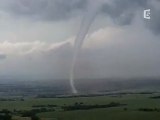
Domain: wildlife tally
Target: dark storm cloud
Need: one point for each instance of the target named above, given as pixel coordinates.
(44, 9)
(155, 25)
(121, 12)
(154, 22)
(62, 9)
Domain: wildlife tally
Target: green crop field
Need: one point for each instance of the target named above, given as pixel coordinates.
(134, 107)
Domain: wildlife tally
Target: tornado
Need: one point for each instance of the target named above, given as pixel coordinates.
(84, 28)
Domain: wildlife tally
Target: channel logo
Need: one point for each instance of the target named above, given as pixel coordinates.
(146, 14)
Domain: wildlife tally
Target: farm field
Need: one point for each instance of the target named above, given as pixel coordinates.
(112, 107)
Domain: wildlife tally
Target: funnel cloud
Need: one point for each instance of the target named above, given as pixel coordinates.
(85, 25)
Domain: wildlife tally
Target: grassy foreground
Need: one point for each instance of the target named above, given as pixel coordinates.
(136, 107)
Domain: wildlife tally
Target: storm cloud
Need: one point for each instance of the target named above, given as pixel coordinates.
(44, 9)
(122, 12)
(37, 37)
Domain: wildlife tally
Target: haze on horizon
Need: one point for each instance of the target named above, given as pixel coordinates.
(37, 36)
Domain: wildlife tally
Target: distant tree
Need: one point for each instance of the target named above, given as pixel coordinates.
(34, 117)
(76, 103)
(81, 103)
(125, 109)
(5, 117)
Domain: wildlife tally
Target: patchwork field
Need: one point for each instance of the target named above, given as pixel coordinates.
(112, 107)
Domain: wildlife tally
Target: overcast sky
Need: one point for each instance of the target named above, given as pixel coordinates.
(36, 39)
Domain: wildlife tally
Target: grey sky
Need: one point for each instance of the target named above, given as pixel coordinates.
(37, 36)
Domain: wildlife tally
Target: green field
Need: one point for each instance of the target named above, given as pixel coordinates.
(128, 112)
